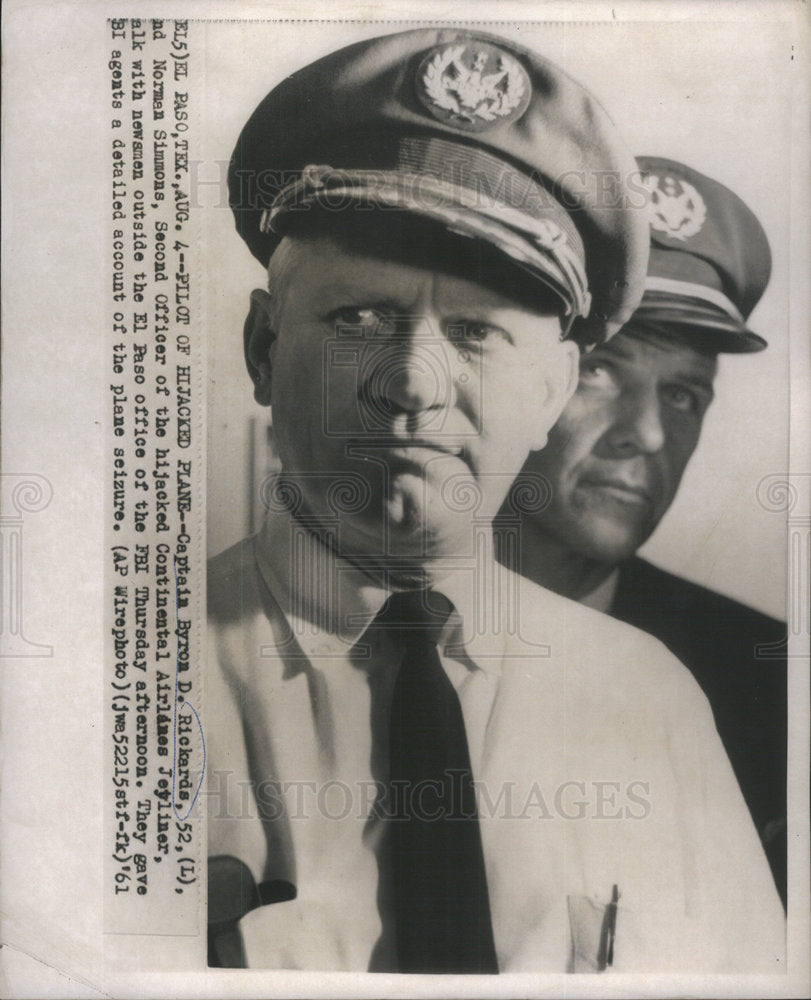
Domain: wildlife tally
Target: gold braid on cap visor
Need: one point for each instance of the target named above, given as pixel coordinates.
(538, 245)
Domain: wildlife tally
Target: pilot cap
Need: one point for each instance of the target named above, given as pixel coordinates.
(480, 135)
(709, 262)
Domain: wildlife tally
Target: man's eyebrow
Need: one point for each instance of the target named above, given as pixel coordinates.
(617, 349)
(346, 293)
(613, 348)
(699, 381)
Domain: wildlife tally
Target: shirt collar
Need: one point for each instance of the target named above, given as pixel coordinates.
(329, 603)
(478, 627)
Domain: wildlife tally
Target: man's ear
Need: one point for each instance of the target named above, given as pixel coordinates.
(259, 335)
(572, 372)
(560, 388)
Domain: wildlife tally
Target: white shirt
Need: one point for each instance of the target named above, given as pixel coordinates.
(594, 753)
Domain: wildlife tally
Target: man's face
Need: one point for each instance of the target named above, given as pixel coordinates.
(420, 392)
(616, 456)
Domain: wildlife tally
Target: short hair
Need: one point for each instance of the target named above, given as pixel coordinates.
(280, 269)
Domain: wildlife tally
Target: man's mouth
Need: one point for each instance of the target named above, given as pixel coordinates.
(616, 488)
(403, 446)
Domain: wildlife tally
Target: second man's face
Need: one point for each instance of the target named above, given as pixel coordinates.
(616, 457)
(405, 400)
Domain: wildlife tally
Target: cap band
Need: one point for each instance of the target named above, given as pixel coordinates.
(549, 247)
(536, 243)
(690, 290)
(467, 190)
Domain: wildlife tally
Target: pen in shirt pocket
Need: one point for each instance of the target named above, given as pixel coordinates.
(593, 927)
(605, 955)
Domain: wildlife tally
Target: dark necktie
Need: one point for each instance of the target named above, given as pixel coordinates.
(441, 905)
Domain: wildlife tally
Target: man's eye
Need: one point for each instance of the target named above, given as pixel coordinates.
(477, 333)
(681, 399)
(594, 373)
(364, 316)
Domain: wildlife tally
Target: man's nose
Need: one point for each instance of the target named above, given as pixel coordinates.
(637, 427)
(409, 372)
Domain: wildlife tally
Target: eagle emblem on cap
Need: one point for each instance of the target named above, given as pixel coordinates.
(473, 86)
(676, 207)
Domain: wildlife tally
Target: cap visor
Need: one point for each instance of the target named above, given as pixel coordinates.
(720, 332)
(506, 229)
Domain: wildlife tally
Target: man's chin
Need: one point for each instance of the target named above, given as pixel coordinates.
(427, 532)
(412, 525)
(421, 528)
(608, 543)
(417, 504)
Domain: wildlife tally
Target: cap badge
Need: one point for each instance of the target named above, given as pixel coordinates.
(473, 86)
(676, 208)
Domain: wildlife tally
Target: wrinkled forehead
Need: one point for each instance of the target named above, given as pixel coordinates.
(649, 344)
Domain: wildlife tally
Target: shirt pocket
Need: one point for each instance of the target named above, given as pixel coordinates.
(592, 926)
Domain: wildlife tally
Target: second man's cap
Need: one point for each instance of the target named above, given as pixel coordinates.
(709, 262)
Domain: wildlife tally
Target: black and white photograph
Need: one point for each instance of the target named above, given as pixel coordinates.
(414, 598)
